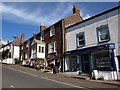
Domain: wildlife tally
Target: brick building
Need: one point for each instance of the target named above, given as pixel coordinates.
(54, 39)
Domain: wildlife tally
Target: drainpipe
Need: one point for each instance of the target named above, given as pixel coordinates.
(63, 30)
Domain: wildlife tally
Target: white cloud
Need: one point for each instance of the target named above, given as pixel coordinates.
(86, 16)
(20, 15)
(4, 42)
(13, 14)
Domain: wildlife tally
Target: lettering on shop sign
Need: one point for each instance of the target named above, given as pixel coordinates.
(103, 62)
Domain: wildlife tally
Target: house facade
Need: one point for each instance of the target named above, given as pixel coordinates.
(54, 39)
(93, 46)
(12, 50)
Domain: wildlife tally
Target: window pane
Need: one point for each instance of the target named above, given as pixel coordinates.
(80, 39)
(42, 49)
(81, 42)
(39, 48)
(103, 34)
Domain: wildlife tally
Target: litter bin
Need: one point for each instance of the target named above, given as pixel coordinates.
(55, 70)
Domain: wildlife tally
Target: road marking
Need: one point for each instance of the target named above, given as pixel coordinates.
(11, 86)
(46, 78)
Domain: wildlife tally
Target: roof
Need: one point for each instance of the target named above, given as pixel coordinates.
(6, 45)
(38, 42)
(105, 12)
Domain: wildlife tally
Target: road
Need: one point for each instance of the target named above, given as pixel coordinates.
(15, 79)
(16, 76)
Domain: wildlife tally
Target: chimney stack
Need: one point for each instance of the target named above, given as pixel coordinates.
(76, 10)
(42, 27)
(22, 38)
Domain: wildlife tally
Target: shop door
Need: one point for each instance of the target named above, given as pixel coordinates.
(85, 63)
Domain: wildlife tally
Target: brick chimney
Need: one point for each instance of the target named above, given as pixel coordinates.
(22, 39)
(42, 27)
(76, 10)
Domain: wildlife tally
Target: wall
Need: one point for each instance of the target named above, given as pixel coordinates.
(89, 27)
(16, 52)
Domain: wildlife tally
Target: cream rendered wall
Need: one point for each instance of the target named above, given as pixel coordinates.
(89, 28)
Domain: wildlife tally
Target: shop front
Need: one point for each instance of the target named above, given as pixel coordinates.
(97, 62)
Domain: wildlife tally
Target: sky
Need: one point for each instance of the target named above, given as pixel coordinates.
(26, 17)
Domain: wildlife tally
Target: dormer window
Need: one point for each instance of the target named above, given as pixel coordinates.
(52, 30)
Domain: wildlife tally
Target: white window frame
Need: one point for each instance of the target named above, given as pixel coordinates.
(52, 46)
(77, 37)
(52, 31)
(41, 49)
(99, 30)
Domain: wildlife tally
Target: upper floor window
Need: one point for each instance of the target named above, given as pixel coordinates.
(52, 47)
(41, 49)
(42, 35)
(103, 33)
(52, 31)
(22, 47)
(80, 39)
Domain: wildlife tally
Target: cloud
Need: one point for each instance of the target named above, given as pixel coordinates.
(22, 16)
(86, 16)
(4, 42)
(13, 14)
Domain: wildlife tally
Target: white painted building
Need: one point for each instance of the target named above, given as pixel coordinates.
(93, 46)
(13, 48)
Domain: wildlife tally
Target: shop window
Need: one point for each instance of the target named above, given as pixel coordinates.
(52, 31)
(103, 33)
(52, 47)
(80, 39)
(102, 61)
(71, 64)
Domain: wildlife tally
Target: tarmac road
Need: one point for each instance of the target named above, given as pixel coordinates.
(15, 76)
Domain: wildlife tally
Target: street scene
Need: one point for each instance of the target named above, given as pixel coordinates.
(60, 45)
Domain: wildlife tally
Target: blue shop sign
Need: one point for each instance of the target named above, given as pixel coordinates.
(105, 46)
(111, 46)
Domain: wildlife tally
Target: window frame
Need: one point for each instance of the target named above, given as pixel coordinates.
(42, 37)
(50, 47)
(41, 49)
(101, 28)
(77, 39)
(52, 31)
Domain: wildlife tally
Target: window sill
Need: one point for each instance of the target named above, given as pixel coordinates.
(52, 35)
(103, 41)
(52, 52)
(80, 46)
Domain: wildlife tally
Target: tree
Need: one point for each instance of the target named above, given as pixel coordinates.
(5, 53)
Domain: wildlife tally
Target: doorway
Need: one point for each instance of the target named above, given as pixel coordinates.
(85, 63)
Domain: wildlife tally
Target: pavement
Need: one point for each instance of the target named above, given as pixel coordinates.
(62, 77)
(111, 82)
